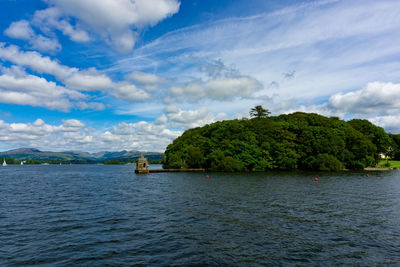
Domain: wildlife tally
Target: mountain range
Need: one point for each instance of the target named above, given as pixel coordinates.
(36, 154)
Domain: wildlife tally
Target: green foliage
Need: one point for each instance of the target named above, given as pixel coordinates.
(324, 162)
(375, 134)
(285, 142)
(226, 163)
(395, 148)
(114, 162)
(195, 157)
(10, 161)
(259, 112)
(173, 161)
(33, 162)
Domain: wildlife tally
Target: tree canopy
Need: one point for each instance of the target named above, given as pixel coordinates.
(259, 112)
(286, 142)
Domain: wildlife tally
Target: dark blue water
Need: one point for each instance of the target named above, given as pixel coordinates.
(91, 215)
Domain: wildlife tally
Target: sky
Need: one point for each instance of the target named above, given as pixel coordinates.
(90, 75)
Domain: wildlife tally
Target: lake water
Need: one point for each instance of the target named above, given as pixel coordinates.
(95, 215)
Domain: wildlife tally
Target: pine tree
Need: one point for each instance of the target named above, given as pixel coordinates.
(259, 112)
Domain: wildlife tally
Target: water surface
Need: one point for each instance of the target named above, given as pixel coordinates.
(94, 215)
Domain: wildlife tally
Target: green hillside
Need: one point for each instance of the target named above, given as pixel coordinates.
(32, 155)
(286, 142)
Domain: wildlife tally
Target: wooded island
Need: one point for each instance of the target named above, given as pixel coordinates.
(305, 141)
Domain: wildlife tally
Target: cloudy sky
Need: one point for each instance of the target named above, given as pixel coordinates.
(110, 75)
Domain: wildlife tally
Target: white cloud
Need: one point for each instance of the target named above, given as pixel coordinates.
(148, 81)
(88, 80)
(20, 30)
(72, 124)
(93, 80)
(128, 92)
(18, 87)
(39, 127)
(90, 105)
(115, 21)
(330, 46)
(221, 89)
(23, 30)
(35, 61)
(83, 80)
(45, 44)
(34, 91)
(376, 98)
(51, 18)
(72, 134)
(191, 118)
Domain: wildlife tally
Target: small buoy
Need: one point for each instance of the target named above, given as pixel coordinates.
(367, 175)
(316, 179)
(148, 173)
(208, 177)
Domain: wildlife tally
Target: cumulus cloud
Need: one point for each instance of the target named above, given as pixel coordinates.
(20, 30)
(23, 30)
(376, 98)
(116, 22)
(33, 134)
(218, 82)
(148, 81)
(35, 61)
(93, 80)
(51, 18)
(73, 134)
(19, 87)
(221, 89)
(128, 92)
(88, 80)
(191, 118)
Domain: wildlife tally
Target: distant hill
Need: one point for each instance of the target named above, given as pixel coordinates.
(36, 154)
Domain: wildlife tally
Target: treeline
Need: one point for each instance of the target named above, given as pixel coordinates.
(11, 161)
(286, 142)
(152, 160)
(37, 162)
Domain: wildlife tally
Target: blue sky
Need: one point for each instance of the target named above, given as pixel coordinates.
(123, 74)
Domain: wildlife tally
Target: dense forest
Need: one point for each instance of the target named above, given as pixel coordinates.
(287, 142)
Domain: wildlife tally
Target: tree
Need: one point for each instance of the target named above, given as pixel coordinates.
(376, 134)
(195, 157)
(259, 112)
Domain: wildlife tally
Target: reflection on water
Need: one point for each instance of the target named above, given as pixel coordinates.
(102, 214)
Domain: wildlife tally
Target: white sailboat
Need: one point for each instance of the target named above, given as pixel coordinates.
(4, 162)
(22, 163)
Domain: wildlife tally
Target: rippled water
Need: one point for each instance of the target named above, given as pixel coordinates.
(98, 215)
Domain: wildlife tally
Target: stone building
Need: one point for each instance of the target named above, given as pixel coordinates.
(142, 165)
